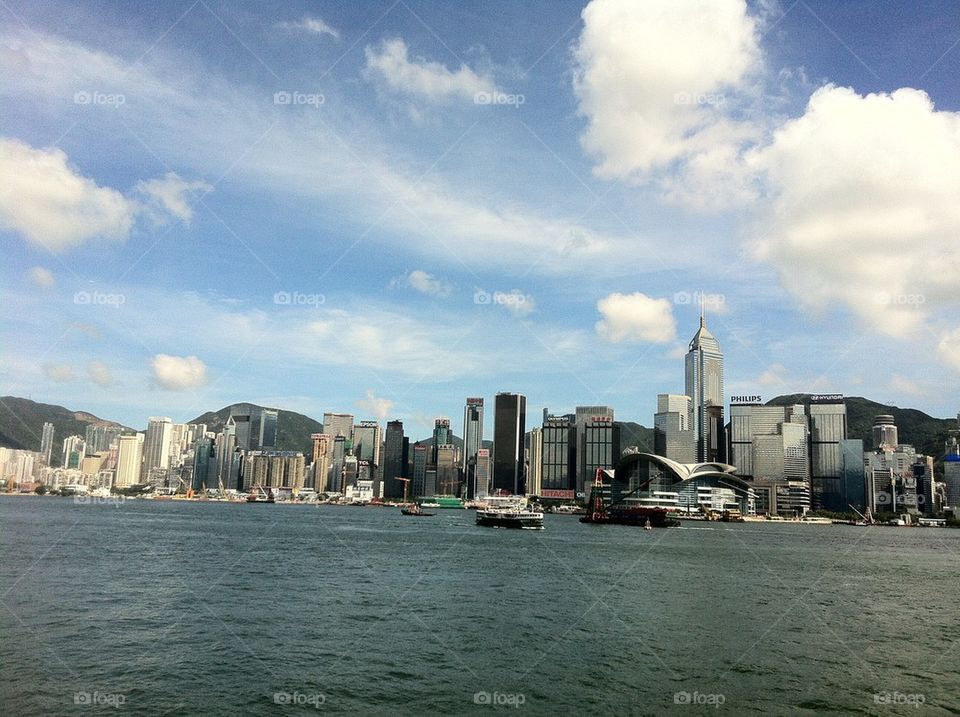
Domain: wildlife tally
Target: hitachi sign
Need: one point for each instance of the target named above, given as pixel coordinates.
(745, 399)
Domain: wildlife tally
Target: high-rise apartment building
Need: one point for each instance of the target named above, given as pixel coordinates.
(338, 424)
(509, 427)
(46, 443)
(74, 449)
(156, 450)
(129, 459)
(322, 454)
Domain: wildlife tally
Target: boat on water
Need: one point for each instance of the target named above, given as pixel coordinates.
(417, 511)
(511, 516)
(441, 502)
(261, 496)
(623, 510)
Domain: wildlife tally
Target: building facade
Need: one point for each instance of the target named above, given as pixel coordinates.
(509, 428)
(704, 385)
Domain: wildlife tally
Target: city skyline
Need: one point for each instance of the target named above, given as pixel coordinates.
(388, 216)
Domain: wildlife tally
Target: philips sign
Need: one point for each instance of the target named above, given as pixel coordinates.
(749, 400)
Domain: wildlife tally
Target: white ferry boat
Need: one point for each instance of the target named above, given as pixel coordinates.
(512, 514)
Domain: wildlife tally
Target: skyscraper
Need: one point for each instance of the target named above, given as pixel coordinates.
(418, 486)
(510, 412)
(100, 438)
(672, 432)
(442, 435)
(704, 386)
(366, 441)
(156, 449)
(482, 474)
(535, 460)
(338, 424)
(584, 415)
(472, 441)
(256, 427)
(394, 460)
(46, 442)
(321, 461)
(828, 428)
(884, 433)
(559, 457)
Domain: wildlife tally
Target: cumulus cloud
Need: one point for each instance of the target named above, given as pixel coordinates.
(654, 80)
(39, 276)
(59, 373)
(949, 349)
(167, 196)
(430, 80)
(313, 25)
(425, 283)
(48, 202)
(99, 373)
(864, 209)
(379, 407)
(635, 317)
(178, 373)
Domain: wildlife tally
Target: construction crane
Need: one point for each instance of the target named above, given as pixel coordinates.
(406, 487)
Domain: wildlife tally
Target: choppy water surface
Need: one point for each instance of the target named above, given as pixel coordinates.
(204, 608)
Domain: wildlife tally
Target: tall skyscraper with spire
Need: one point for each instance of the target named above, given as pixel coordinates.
(704, 386)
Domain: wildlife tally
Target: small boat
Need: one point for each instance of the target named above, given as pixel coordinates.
(647, 526)
(417, 511)
(261, 496)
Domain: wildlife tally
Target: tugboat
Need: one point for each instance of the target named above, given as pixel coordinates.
(511, 515)
(262, 496)
(622, 512)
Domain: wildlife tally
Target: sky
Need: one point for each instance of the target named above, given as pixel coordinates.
(383, 208)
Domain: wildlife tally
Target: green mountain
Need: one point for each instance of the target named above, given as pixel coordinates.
(633, 434)
(923, 432)
(293, 429)
(21, 424)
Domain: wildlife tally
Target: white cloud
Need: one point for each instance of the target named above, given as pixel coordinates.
(656, 79)
(426, 283)
(515, 301)
(312, 24)
(43, 198)
(59, 373)
(773, 376)
(99, 373)
(178, 373)
(636, 317)
(379, 407)
(905, 385)
(949, 349)
(39, 276)
(168, 195)
(429, 80)
(864, 209)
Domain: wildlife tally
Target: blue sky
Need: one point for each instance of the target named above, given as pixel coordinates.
(383, 208)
